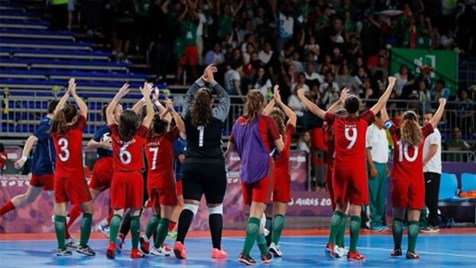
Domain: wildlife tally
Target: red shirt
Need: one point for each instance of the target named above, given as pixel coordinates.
(281, 165)
(127, 156)
(159, 151)
(349, 135)
(407, 159)
(69, 149)
(3, 159)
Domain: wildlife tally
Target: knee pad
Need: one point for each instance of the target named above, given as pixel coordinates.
(216, 210)
(191, 207)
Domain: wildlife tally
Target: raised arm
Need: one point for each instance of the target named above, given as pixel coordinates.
(26, 151)
(382, 101)
(65, 97)
(164, 114)
(384, 113)
(310, 105)
(343, 95)
(146, 91)
(269, 107)
(115, 101)
(178, 120)
(83, 108)
(292, 118)
(439, 113)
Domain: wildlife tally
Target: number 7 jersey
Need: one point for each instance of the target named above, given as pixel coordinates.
(127, 156)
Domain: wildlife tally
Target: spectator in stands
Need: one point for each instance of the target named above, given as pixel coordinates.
(3, 158)
(456, 144)
(312, 77)
(285, 25)
(404, 78)
(250, 49)
(440, 91)
(329, 84)
(432, 174)
(447, 40)
(189, 21)
(344, 78)
(233, 78)
(262, 82)
(465, 110)
(312, 46)
(424, 96)
(59, 13)
(125, 28)
(214, 56)
(305, 142)
(301, 83)
(225, 17)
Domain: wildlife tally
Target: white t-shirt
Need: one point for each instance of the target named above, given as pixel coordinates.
(376, 141)
(434, 164)
(201, 22)
(230, 77)
(265, 57)
(296, 105)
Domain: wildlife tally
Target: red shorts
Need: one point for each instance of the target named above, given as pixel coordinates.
(329, 187)
(163, 193)
(282, 189)
(102, 174)
(350, 185)
(46, 181)
(191, 56)
(127, 190)
(72, 189)
(408, 194)
(178, 187)
(259, 191)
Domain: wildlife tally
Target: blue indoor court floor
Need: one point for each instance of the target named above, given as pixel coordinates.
(436, 250)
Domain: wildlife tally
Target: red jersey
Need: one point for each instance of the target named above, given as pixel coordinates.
(349, 138)
(407, 159)
(160, 155)
(281, 164)
(69, 149)
(127, 156)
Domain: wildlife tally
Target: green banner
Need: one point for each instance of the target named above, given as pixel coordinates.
(442, 64)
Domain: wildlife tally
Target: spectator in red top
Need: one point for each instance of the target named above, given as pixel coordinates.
(3, 158)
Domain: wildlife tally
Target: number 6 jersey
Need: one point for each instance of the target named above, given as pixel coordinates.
(127, 156)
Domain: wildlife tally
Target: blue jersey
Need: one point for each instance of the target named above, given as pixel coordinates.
(180, 147)
(102, 134)
(44, 155)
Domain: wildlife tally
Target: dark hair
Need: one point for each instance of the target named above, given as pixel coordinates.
(279, 117)
(103, 111)
(52, 106)
(128, 124)
(62, 118)
(159, 125)
(201, 110)
(2, 148)
(352, 104)
(254, 104)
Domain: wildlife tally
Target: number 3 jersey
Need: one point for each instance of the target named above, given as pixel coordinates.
(127, 156)
(408, 159)
(69, 149)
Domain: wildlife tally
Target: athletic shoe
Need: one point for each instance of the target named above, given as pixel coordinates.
(86, 251)
(136, 254)
(275, 250)
(166, 249)
(144, 245)
(355, 256)
(64, 252)
(340, 252)
(246, 259)
(172, 234)
(265, 259)
(103, 228)
(120, 244)
(160, 251)
(430, 229)
(179, 250)
(330, 250)
(111, 250)
(72, 243)
(379, 228)
(396, 252)
(219, 254)
(412, 255)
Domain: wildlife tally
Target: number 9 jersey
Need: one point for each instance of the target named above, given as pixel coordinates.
(127, 156)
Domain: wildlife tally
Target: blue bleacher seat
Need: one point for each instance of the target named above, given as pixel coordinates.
(468, 182)
(449, 188)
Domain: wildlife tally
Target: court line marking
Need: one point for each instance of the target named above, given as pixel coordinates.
(369, 248)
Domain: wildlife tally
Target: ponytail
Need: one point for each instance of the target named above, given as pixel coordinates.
(410, 130)
(59, 125)
(201, 111)
(254, 104)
